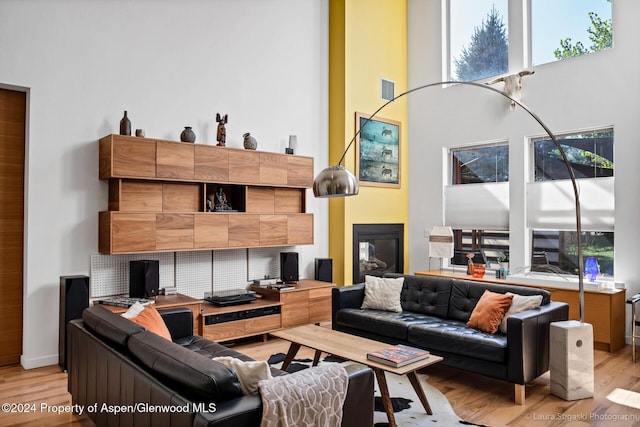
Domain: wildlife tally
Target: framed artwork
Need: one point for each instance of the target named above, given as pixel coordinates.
(377, 152)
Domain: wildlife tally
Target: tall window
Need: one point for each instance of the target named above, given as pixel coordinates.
(551, 204)
(568, 28)
(478, 39)
(480, 164)
(479, 213)
(590, 155)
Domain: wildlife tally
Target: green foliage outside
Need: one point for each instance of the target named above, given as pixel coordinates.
(487, 53)
(600, 34)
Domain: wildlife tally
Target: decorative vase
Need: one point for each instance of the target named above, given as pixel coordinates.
(591, 269)
(188, 135)
(125, 125)
(250, 142)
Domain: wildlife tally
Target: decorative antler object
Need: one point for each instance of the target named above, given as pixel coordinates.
(512, 86)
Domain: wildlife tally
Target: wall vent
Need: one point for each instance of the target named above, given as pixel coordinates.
(387, 89)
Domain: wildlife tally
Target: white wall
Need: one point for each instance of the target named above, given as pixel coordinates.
(169, 64)
(600, 89)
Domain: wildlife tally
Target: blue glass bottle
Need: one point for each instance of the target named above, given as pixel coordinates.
(591, 269)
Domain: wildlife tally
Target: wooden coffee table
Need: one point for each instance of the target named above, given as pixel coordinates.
(354, 348)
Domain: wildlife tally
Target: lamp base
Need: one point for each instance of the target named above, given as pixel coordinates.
(571, 359)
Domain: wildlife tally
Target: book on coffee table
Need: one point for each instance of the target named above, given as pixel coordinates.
(398, 355)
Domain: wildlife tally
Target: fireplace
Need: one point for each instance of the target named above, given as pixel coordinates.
(377, 249)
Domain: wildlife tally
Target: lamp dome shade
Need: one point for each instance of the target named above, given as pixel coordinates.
(335, 181)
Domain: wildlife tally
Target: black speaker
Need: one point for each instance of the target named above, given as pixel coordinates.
(324, 269)
(144, 278)
(289, 267)
(74, 298)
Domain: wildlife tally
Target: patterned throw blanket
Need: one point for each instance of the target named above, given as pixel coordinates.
(311, 397)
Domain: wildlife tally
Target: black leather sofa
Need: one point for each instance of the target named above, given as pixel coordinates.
(434, 316)
(124, 375)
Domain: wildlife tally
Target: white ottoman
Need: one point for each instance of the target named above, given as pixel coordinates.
(571, 359)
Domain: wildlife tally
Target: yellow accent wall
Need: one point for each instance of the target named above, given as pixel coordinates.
(367, 42)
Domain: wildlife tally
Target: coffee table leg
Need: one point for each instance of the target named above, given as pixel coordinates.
(316, 357)
(293, 349)
(415, 382)
(386, 398)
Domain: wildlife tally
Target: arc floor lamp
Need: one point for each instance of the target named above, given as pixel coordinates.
(337, 181)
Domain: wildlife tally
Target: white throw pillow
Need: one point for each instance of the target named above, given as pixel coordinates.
(382, 293)
(249, 373)
(133, 311)
(518, 304)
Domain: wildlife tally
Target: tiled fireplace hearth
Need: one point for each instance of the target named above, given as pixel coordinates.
(377, 249)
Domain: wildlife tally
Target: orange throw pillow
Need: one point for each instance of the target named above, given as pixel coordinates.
(489, 311)
(150, 319)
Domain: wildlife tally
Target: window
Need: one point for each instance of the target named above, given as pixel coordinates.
(480, 164)
(478, 39)
(568, 28)
(590, 155)
(551, 203)
(557, 251)
(484, 205)
(488, 246)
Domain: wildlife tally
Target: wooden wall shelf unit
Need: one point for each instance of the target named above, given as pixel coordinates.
(604, 309)
(238, 321)
(158, 197)
(172, 301)
(308, 302)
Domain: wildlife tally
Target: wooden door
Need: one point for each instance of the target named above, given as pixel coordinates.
(12, 148)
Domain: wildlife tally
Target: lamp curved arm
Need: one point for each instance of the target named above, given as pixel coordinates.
(338, 169)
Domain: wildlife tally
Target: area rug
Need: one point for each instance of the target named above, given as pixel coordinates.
(407, 408)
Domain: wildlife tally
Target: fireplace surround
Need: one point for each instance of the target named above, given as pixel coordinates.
(377, 249)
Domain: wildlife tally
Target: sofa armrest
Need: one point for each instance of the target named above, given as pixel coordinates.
(528, 341)
(247, 410)
(179, 321)
(241, 411)
(346, 297)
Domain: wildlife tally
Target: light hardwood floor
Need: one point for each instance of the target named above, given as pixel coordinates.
(473, 397)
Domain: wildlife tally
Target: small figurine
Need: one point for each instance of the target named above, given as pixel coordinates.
(221, 203)
(222, 131)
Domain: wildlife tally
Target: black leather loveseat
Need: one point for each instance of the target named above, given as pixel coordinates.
(124, 375)
(434, 316)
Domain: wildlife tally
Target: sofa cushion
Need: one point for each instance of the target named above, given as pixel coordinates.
(465, 295)
(489, 311)
(382, 293)
(454, 336)
(426, 295)
(109, 325)
(150, 319)
(519, 304)
(194, 376)
(385, 323)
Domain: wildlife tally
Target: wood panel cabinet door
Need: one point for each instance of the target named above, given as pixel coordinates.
(135, 196)
(300, 229)
(273, 230)
(127, 157)
(289, 200)
(300, 171)
(261, 200)
(244, 230)
(211, 164)
(211, 231)
(181, 197)
(319, 305)
(133, 232)
(273, 169)
(244, 166)
(175, 160)
(295, 308)
(174, 231)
